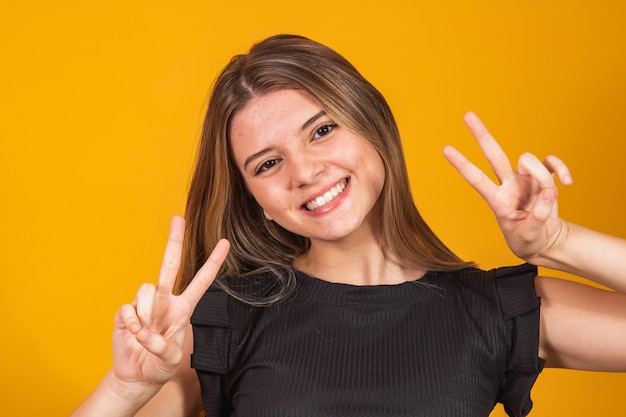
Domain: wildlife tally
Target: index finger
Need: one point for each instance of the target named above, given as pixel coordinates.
(472, 174)
(491, 149)
(206, 274)
(172, 255)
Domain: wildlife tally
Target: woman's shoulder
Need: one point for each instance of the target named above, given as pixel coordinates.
(511, 287)
(250, 290)
(506, 277)
(504, 272)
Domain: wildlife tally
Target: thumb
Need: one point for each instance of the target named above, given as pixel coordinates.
(168, 351)
(542, 208)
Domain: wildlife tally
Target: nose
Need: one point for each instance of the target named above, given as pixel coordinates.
(305, 169)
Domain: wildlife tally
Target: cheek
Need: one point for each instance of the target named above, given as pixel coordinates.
(377, 178)
(272, 203)
(373, 164)
(359, 149)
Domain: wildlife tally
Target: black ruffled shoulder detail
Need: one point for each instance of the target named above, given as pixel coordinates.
(221, 323)
(520, 310)
(211, 332)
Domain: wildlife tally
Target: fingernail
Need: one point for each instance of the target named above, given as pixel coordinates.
(548, 195)
(144, 336)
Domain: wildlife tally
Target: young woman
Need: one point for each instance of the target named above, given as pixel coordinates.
(332, 295)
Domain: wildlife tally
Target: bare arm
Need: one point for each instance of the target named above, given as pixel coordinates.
(590, 254)
(581, 327)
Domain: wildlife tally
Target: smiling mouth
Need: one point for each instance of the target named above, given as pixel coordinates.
(328, 196)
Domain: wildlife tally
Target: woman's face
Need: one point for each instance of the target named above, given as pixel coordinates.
(309, 175)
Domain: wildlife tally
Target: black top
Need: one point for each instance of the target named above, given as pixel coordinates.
(450, 344)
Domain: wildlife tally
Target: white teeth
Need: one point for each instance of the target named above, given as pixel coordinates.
(327, 197)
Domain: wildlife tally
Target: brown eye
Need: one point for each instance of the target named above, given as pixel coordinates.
(265, 166)
(323, 130)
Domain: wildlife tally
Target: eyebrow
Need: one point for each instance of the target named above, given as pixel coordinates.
(255, 156)
(312, 120)
(266, 150)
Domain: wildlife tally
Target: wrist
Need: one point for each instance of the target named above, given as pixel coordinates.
(130, 391)
(118, 397)
(555, 254)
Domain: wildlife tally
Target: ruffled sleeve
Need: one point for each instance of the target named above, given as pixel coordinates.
(210, 322)
(520, 309)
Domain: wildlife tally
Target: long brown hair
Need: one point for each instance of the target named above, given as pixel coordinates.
(219, 204)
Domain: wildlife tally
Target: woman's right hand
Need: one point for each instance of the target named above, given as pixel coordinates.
(149, 341)
(149, 334)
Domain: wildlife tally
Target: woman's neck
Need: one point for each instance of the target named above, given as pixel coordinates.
(354, 261)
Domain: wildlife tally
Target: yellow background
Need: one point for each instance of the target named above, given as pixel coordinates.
(102, 103)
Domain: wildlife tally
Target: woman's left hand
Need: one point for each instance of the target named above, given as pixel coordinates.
(525, 200)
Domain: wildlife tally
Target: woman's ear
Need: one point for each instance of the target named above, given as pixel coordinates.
(267, 216)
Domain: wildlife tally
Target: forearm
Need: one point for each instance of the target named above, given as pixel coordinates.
(590, 254)
(111, 399)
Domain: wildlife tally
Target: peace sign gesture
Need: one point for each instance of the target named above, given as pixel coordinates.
(149, 333)
(150, 339)
(525, 200)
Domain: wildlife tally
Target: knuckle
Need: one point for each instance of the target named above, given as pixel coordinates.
(170, 262)
(145, 289)
(127, 313)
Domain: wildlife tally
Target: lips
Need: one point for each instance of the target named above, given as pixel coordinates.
(328, 196)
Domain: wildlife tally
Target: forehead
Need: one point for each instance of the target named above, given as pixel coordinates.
(279, 106)
(270, 117)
